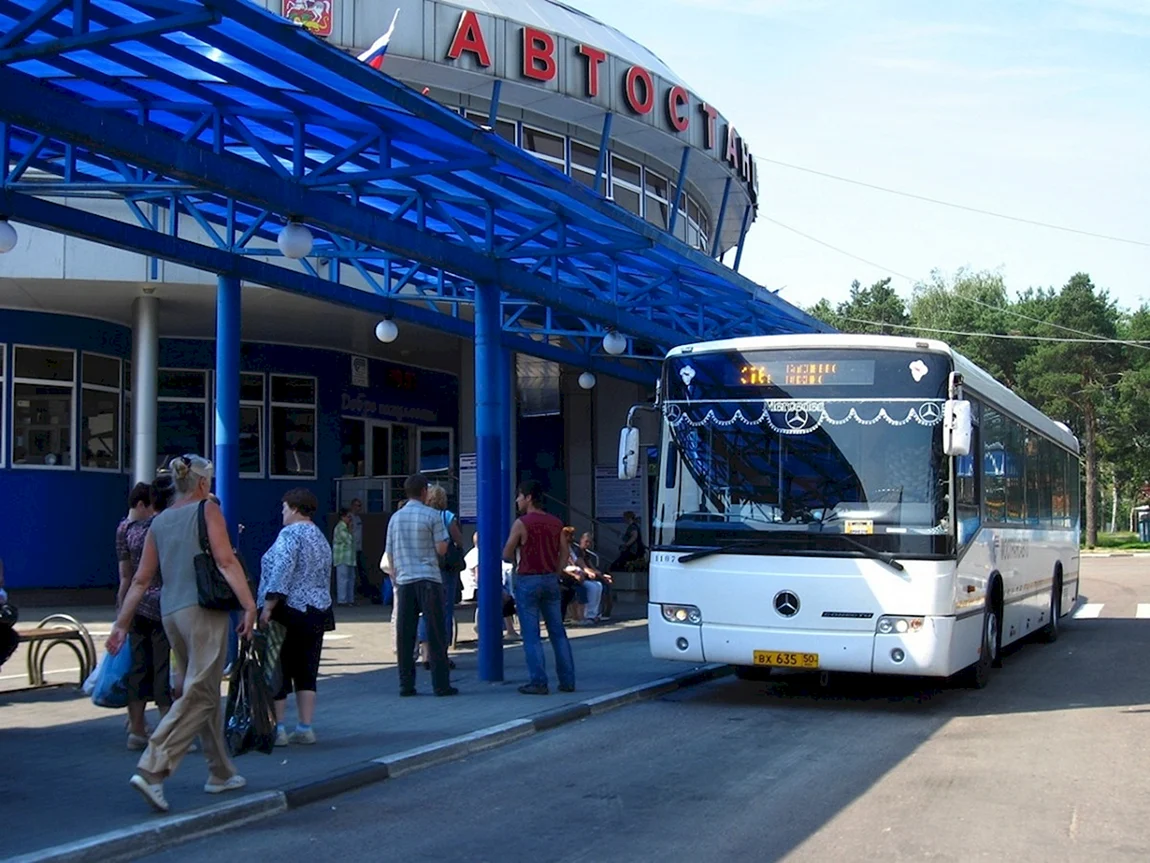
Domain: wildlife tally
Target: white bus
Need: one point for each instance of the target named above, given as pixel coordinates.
(865, 504)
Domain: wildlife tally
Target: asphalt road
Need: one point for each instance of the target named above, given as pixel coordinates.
(1049, 763)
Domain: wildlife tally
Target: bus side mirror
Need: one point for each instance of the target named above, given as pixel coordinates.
(957, 428)
(629, 453)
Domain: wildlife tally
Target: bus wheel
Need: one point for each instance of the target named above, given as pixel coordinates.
(977, 676)
(752, 672)
(1050, 631)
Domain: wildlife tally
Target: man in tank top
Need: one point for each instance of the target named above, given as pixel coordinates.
(538, 539)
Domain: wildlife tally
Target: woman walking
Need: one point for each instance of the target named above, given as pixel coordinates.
(150, 677)
(295, 590)
(198, 636)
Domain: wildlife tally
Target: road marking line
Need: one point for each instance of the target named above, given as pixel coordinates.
(1088, 611)
(1143, 610)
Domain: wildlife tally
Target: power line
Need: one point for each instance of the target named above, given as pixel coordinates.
(1018, 337)
(1092, 337)
(941, 203)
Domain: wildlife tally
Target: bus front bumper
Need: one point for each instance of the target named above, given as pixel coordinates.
(925, 653)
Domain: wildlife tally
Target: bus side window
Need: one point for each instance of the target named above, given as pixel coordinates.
(672, 465)
(967, 498)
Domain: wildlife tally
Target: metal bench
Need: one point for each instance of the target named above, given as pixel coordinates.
(57, 629)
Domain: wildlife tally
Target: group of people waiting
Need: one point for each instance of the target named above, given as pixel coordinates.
(160, 615)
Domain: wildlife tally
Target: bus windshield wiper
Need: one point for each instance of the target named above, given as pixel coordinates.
(885, 557)
(738, 545)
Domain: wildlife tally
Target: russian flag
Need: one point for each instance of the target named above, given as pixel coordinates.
(373, 56)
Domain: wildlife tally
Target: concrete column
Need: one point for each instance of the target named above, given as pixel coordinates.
(491, 425)
(228, 317)
(145, 386)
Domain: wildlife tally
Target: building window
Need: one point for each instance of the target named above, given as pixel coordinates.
(584, 161)
(182, 414)
(551, 149)
(43, 396)
(505, 129)
(435, 454)
(658, 202)
(3, 393)
(100, 402)
(293, 426)
(697, 227)
(251, 430)
(626, 188)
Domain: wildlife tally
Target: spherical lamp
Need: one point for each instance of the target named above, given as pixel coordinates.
(614, 343)
(386, 331)
(587, 380)
(295, 241)
(7, 236)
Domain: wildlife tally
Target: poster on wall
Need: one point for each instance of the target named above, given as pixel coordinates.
(614, 496)
(314, 15)
(359, 372)
(468, 487)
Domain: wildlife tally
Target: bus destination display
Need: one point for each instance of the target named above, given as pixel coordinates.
(807, 374)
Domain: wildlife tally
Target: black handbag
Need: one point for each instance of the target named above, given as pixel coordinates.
(212, 589)
(454, 561)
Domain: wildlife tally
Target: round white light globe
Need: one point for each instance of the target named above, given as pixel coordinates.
(614, 343)
(386, 331)
(295, 241)
(7, 236)
(586, 380)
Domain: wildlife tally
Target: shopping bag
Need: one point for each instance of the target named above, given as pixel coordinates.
(249, 718)
(108, 684)
(269, 642)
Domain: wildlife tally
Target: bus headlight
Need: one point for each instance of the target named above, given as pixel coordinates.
(682, 614)
(899, 625)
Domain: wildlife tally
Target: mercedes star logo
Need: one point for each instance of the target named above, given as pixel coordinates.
(786, 603)
(797, 419)
(929, 412)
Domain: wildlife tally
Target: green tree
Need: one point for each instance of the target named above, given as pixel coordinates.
(876, 310)
(1075, 381)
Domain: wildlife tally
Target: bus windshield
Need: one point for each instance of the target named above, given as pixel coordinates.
(805, 450)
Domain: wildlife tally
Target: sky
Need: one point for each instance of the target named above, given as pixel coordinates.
(1037, 109)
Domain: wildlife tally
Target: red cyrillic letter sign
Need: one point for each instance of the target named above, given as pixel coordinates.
(677, 99)
(538, 55)
(712, 118)
(640, 106)
(469, 37)
(733, 157)
(594, 58)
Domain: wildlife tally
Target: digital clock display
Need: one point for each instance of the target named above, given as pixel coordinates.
(807, 374)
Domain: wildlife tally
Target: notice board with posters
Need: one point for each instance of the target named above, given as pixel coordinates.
(468, 487)
(614, 496)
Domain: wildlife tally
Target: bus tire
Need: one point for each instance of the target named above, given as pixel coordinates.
(755, 673)
(1049, 633)
(977, 676)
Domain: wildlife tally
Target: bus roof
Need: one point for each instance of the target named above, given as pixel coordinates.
(973, 376)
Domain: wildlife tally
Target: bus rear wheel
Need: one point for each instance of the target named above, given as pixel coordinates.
(977, 676)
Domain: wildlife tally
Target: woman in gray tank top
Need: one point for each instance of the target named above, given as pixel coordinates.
(198, 636)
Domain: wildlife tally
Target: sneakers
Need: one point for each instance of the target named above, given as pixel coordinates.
(137, 742)
(281, 737)
(534, 689)
(232, 783)
(304, 736)
(154, 794)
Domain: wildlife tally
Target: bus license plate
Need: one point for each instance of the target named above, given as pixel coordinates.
(782, 659)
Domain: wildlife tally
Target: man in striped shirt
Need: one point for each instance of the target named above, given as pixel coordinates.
(416, 540)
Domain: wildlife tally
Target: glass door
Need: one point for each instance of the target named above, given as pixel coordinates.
(379, 449)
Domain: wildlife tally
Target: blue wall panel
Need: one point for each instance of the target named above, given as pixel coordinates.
(57, 527)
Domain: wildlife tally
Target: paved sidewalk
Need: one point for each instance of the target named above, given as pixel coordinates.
(66, 764)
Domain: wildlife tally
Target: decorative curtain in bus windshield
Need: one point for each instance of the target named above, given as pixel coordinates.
(801, 446)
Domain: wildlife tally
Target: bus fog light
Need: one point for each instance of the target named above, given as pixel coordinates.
(682, 643)
(897, 655)
(682, 614)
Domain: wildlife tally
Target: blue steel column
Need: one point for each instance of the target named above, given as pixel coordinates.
(228, 397)
(506, 468)
(491, 421)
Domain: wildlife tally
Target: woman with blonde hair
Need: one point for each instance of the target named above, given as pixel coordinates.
(198, 635)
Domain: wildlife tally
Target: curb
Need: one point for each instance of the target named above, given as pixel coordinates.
(148, 838)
